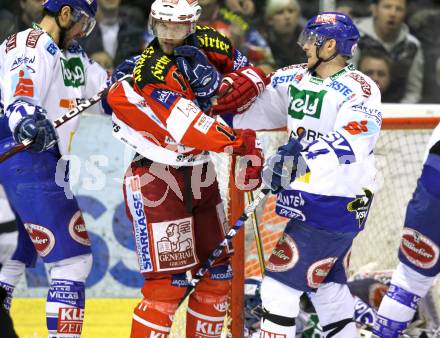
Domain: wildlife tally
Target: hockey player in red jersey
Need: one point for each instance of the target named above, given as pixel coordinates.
(170, 189)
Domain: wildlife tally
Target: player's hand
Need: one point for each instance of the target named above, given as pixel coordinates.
(126, 67)
(281, 169)
(201, 75)
(38, 128)
(249, 175)
(238, 90)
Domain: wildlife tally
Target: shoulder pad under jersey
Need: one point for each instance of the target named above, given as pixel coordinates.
(213, 41)
(153, 66)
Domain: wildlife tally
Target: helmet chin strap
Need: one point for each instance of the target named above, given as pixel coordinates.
(320, 59)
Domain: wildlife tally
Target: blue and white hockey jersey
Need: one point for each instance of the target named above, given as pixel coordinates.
(341, 117)
(34, 71)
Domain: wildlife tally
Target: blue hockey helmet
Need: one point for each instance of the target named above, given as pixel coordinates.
(331, 25)
(81, 8)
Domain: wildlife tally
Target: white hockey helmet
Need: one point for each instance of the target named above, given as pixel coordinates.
(174, 19)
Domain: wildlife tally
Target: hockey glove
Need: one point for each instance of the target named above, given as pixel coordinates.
(249, 175)
(201, 75)
(281, 169)
(239, 90)
(37, 128)
(126, 67)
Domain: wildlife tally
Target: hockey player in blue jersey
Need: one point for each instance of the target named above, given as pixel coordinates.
(328, 177)
(44, 74)
(418, 252)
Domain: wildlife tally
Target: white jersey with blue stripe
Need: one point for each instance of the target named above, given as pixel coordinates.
(341, 116)
(35, 72)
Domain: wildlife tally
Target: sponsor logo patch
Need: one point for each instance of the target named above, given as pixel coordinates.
(25, 85)
(419, 249)
(11, 42)
(365, 86)
(361, 206)
(51, 48)
(33, 37)
(284, 256)
(174, 244)
(164, 97)
(305, 103)
(140, 229)
(73, 72)
(206, 329)
(22, 60)
(204, 123)
(42, 237)
(319, 270)
(78, 230)
(70, 320)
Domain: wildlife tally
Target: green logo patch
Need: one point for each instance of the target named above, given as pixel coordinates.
(73, 72)
(305, 102)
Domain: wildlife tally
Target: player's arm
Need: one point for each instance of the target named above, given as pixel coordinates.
(25, 85)
(97, 79)
(354, 136)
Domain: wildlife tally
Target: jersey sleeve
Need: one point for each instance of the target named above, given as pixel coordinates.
(27, 65)
(158, 111)
(354, 136)
(269, 109)
(97, 80)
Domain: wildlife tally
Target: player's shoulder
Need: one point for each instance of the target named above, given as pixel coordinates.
(153, 66)
(287, 75)
(212, 40)
(29, 39)
(359, 82)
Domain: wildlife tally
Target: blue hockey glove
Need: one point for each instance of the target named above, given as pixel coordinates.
(281, 168)
(38, 128)
(126, 67)
(201, 75)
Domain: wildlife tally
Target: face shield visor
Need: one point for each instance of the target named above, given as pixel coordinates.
(171, 30)
(308, 36)
(87, 22)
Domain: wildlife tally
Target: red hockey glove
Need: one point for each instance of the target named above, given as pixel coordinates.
(249, 176)
(239, 89)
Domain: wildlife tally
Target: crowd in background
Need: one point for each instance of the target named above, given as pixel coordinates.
(399, 46)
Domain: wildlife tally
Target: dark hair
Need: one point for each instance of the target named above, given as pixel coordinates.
(375, 54)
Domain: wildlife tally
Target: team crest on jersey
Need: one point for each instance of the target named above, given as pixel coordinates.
(174, 244)
(284, 256)
(319, 270)
(73, 72)
(360, 206)
(77, 229)
(305, 103)
(43, 238)
(419, 249)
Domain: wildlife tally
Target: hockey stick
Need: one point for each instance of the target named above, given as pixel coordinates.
(58, 122)
(219, 249)
(257, 235)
